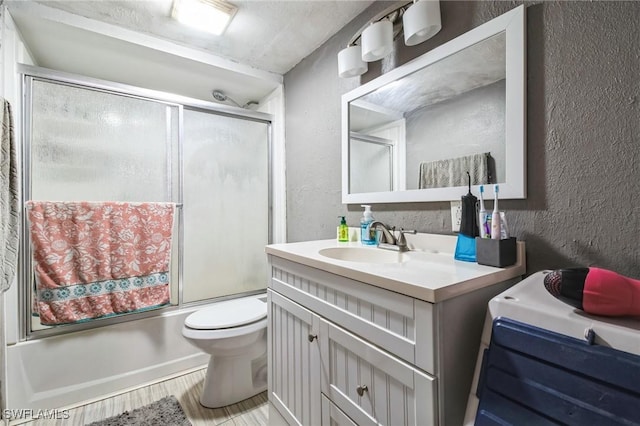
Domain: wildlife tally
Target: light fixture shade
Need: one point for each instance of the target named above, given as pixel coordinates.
(377, 40)
(421, 21)
(350, 63)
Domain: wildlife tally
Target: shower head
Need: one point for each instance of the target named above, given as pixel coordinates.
(219, 96)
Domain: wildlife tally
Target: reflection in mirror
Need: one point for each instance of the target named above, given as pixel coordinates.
(372, 124)
(454, 116)
(372, 165)
(416, 132)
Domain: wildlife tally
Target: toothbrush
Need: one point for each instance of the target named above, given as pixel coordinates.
(495, 217)
(484, 230)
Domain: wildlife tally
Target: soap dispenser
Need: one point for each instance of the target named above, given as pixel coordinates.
(343, 230)
(367, 235)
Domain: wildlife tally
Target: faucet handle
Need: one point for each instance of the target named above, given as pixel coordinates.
(402, 241)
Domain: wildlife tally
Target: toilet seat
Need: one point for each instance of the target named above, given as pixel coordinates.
(224, 333)
(227, 314)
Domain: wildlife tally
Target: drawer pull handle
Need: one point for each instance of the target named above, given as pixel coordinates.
(362, 389)
(312, 337)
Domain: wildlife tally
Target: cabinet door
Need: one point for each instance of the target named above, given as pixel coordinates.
(371, 386)
(294, 385)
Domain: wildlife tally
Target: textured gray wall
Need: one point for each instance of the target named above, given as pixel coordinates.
(583, 134)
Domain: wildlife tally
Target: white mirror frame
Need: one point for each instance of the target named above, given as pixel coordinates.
(513, 23)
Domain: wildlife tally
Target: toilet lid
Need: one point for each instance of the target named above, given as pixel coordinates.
(231, 313)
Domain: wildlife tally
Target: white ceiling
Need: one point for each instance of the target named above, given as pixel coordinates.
(136, 42)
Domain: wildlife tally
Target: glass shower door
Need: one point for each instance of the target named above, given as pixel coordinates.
(86, 144)
(94, 145)
(226, 205)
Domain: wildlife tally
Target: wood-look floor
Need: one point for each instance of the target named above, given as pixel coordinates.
(186, 389)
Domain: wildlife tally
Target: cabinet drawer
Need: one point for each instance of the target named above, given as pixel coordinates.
(400, 324)
(371, 386)
(333, 416)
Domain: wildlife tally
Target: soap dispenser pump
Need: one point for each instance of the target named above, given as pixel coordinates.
(367, 235)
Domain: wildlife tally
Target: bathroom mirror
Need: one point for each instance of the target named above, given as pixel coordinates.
(412, 134)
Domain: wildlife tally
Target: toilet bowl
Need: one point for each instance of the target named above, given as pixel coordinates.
(234, 334)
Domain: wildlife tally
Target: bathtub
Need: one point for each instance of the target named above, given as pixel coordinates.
(68, 370)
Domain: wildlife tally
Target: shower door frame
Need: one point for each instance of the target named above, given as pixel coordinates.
(28, 74)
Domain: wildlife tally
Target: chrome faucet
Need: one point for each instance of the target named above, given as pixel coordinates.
(388, 240)
(387, 236)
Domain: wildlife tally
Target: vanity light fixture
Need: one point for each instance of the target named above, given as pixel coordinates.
(350, 63)
(212, 16)
(377, 40)
(420, 19)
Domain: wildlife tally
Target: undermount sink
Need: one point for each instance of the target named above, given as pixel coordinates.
(364, 255)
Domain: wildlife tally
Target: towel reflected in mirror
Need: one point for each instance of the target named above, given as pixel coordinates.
(453, 171)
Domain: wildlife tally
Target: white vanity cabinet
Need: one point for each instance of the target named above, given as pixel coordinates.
(310, 355)
(345, 352)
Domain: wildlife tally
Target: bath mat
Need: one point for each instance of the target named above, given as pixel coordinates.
(165, 412)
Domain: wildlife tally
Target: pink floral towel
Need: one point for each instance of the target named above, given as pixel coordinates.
(97, 259)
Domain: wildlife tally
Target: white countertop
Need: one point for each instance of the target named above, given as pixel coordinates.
(430, 273)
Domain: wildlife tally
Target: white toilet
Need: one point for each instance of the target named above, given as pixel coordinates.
(234, 333)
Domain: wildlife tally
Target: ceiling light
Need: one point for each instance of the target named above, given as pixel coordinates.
(350, 63)
(212, 16)
(421, 21)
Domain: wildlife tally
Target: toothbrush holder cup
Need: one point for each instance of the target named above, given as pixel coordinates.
(499, 253)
